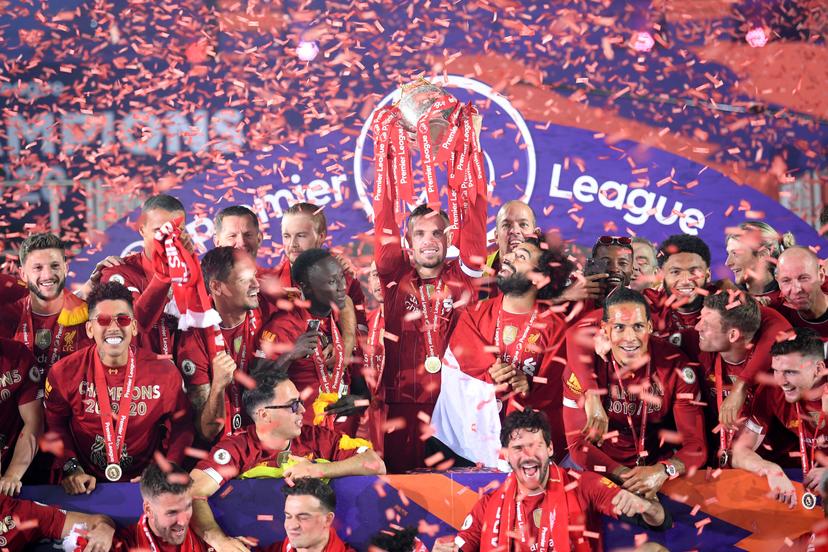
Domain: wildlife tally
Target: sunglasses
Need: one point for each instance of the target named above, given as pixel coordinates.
(104, 320)
(615, 240)
(294, 406)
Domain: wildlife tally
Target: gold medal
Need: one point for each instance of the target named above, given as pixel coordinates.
(433, 365)
(113, 472)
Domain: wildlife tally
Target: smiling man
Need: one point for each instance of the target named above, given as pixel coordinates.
(651, 387)
(514, 223)
(50, 321)
(541, 501)
(230, 278)
(508, 345)
(310, 342)
(310, 508)
(801, 280)
(798, 401)
(150, 412)
(277, 444)
(164, 525)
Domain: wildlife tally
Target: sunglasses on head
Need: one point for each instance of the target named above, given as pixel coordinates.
(293, 405)
(615, 240)
(104, 320)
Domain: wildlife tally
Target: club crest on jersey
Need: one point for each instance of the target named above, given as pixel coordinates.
(221, 457)
(188, 367)
(43, 338)
(533, 338)
(509, 334)
(688, 375)
(69, 341)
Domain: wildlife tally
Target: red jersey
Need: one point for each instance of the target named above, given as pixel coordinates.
(23, 522)
(672, 324)
(238, 454)
(592, 492)
(530, 340)
(281, 332)
(769, 404)
(139, 536)
(819, 325)
(159, 419)
(672, 405)
(335, 544)
(19, 385)
(49, 337)
(241, 343)
(12, 289)
(282, 271)
(771, 296)
(158, 330)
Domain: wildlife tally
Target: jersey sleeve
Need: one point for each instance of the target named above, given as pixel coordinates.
(59, 413)
(30, 385)
(11, 289)
(358, 299)
(193, 361)
(182, 430)
(149, 307)
(225, 460)
(761, 409)
(596, 493)
(580, 353)
(279, 335)
(388, 251)
(689, 416)
(472, 243)
(773, 324)
(42, 522)
(468, 539)
(582, 451)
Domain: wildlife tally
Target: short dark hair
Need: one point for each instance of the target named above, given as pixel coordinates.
(740, 311)
(528, 419)
(555, 264)
(805, 342)
(110, 291)
(218, 263)
(683, 243)
(234, 211)
(267, 376)
(305, 261)
(164, 202)
(156, 481)
(422, 210)
(315, 212)
(627, 246)
(309, 486)
(395, 539)
(38, 242)
(623, 294)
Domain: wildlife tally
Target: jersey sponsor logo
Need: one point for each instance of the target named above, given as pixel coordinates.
(688, 375)
(222, 457)
(574, 385)
(118, 279)
(43, 338)
(467, 522)
(530, 366)
(188, 367)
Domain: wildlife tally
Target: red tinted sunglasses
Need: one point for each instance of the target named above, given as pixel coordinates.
(104, 320)
(615, 240)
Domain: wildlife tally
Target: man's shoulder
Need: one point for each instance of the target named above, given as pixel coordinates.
(130, 273)
(71, 365)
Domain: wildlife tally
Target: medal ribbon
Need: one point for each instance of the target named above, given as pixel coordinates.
(517, 359)
(430, 328)
(725, 435)
(807, 463)
(114, 446)
(233, 406)
(333, 383)
(376, 365)
(644, 408)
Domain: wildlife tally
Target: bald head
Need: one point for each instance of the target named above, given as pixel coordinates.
(800, 276)
(515, 222)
